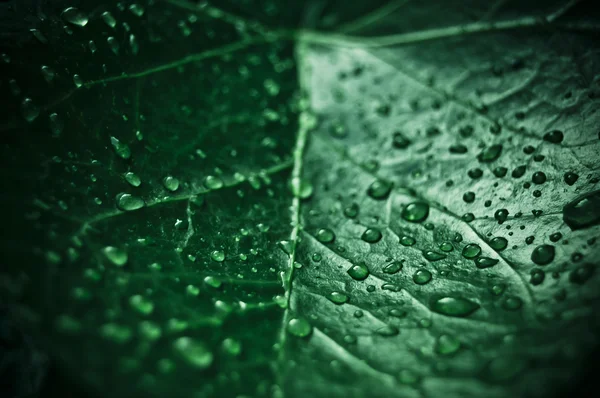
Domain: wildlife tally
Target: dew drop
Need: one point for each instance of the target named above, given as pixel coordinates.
(583, 211)
(415, 212)
(29, 110)
(498, 243)
(337, 298)
(141, 304)
(299, 327)
(433, 256)
(570, 178)
(217, 255)
(171, 183)
(371, 235)
(543, 254)
(407, 240)
(501, 215)
(325, 235)
(121, 149)
(485, 262)
(490, 154)
(581, 274)
(393, 267)
(554, 137)
(471, 251)
(447, 344)
(109, 19)
(358, 272)
(212, 182)
(128, 202)
(422, 276)
(352, 211)
(133, 179)
(115, 255)
(75, 16)
(193, 352)
(454, 306)
(379, 190)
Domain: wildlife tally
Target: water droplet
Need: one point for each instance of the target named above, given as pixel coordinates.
(337, 298)
(554, 137)
(519, 171)
(371, 235)
(454, 306)
(109, 19)
(171, 183)
(325, 235)
(136, 9)
(141, 304)
(498, 243)
(500, 171)
(74, 16)
(116, 333)
(400, 141)
(387, 331)
(115, 255)
(232, 346)
(583, 211)
(359, 272)
(485, 262)
(512, 303)
(570, 178)
(471, 251)
(212, 182)
(352, 211)
(56, 125)
(300, 188)
(469, 197)
(407, 240)
(133, 179)
(433, 256)
(133, 44)
(501, 215)
(193, 352)
(212, 282)
(490, 153)
(393, 267)
(29, 110)
(217, 255)
(121, 149)
(415, 212)
(379, 190)
(581, 274)
(543, 254)
(538, 177)
(422, 276)
(128, 202)
(113, 44)
(447, 345)
(299, 327)
(537, 276)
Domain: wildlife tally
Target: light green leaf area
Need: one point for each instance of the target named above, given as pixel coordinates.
(386, 200)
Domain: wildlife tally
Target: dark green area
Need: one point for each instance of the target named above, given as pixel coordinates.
(304, 198)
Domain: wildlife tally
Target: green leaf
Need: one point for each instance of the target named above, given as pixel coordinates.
(258, 200)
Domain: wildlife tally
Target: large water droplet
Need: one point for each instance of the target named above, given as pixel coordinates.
(359, 271)
(471, 251)
(379, 190)
(433, 256)
(29, 110)
(485, 262)
(171, 183)
(141, 304)
(490, 154)
(128, 202)
(583, 212)
(133, 179)
(325, 235)
(454, 306)
(393, 267)
(371, 235)
(422, 276)
(217, 255)
(415, 212)
(121, 149)
(212, 182)
(498, 243)
(543, 254)
(74, 16)
(109, 19)
(554, 137)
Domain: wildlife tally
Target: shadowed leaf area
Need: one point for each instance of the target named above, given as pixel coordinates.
(258, 198)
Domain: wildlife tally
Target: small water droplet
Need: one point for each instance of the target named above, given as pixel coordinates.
(133, 179)
(554, 137)
(407, 240)
(501, 215)
(171, 183)
(141, 304)
(570, 178)
(498, 243)
(433, 256)
(109, 19)
(490, 154)
(512, 303)
(581, 274)
(29, 110)
(121, 149)
(352, 211)
(485, 262)
(212, 182)
(115, 255)
(337, 297)
(447, 344)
